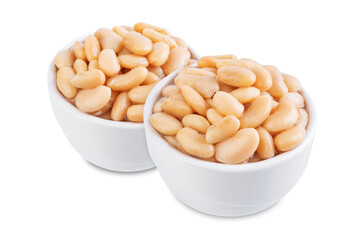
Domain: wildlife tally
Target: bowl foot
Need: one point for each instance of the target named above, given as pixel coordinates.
(118, 167)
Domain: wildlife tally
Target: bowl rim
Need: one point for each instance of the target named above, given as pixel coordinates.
(57, 97)
(153, 135)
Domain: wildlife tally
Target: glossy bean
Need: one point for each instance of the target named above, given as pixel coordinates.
(195, 100)
(194, 143)
(120, 106)
(109, 63)
(294, 97)
(169, 90)
(129, 80)
(79, 50)
(246, 94)
(227, 104)
(177, 108)
(150, 79)
(63, 82)
(65, 58)
(204, 85)
(236, 76)
(159, 54)
(177, 95)
(263, 78)
(235, 63)
(92, 100)
(92, 48)
(132, 61)
(156, 70)
(257, 112)
(80, 66)
(88, 79)
(283, 117)
(210, 69)
(200, 72)
(225, 128)
(303, 118)
(292, 83)
(108, 39)
(225, 87)
(108, 106)
(120, 30)
(137, 43)
(124, 51)
(159, 37)
(238, 148)
(177, 58)
(196, 122)
(139, 27)
(165, 123)
(278, 89)
(135, 113)
(266, 147)
(139, 94)
(214, 116)
(289, 139)
(210, 61)
(93, 65)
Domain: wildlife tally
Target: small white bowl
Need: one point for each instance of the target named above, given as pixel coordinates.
(226, 190)
(112, 145)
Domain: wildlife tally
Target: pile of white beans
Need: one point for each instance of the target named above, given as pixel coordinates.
(231, 111)
(111, 73)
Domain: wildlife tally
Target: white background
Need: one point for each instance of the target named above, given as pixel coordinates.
(47, 191)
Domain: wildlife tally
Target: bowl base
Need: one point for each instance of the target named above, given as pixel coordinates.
(207, 206)
(117, 167)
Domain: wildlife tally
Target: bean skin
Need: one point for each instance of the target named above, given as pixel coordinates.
(266, 147)
(165, 123)
(257, 112)
(284, 116)
(227, 104)
(92, 100)
(278, 89)
(238, 148)
(225, 128)
(289, 139)
(236, 76)
(195, 100)
(129, 80)
(63, 82)
(196, 122)
(194, 143)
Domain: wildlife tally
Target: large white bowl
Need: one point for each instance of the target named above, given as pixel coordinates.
(226, 190)
(112, 145)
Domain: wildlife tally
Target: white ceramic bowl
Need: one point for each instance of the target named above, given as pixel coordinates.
(226, 190)
(112, 145)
